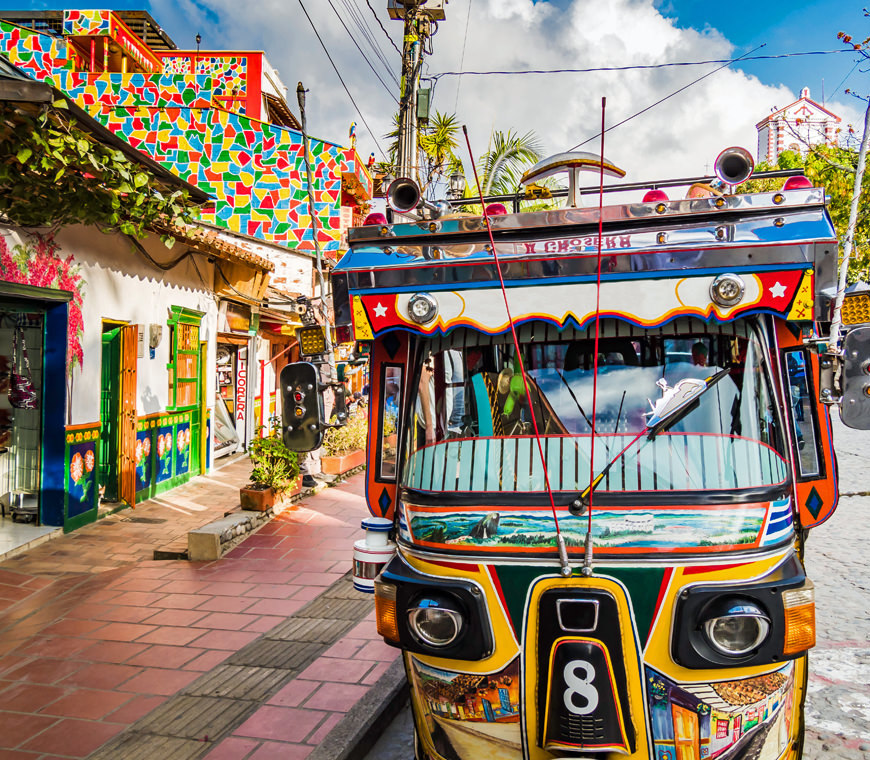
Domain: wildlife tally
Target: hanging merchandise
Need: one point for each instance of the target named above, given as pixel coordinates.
(22, 394)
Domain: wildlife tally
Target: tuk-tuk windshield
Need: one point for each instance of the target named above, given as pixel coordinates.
(471, 429)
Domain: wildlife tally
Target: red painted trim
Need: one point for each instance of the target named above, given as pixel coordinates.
(710, 568)
(254, 74)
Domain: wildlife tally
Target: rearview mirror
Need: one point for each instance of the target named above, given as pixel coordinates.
(302, 407)
(855, 410)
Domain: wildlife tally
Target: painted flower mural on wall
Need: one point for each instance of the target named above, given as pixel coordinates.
(38, 264)
(164, 452)
(81, 472)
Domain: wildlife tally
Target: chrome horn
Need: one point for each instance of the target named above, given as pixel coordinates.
(403, 195)
(734, 165)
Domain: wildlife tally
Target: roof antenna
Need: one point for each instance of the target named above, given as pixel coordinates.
(564, 565)
(587, 558)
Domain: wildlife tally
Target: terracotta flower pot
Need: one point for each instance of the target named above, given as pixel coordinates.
(338, 465)
(257, 498)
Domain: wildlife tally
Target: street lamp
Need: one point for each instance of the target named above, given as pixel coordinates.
(457, 185)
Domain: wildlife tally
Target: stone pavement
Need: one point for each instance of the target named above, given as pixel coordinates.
(838, 700)
(265, 653)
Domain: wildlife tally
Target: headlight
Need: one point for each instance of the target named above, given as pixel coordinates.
(736, 627)
(435, 620)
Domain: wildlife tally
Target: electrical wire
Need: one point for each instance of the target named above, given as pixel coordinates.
(851, 71)
(365, 30)
(365, 57)
(667, 97)
(340, 79)
(462, 57)
(386, 34)
(638, 67)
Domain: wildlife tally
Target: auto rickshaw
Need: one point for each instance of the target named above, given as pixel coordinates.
(598, 438)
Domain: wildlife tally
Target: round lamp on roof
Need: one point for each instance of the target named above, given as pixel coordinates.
(797, 183)
(655, 196)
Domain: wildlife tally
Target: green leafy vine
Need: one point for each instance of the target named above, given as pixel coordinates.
(54, 173)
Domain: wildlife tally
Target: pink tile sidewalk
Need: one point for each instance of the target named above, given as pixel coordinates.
(84, 655)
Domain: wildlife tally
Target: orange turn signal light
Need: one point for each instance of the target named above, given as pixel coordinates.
(800, 619)
(385, 611)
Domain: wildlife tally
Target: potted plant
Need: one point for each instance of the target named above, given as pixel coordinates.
(275, 471)
(344, 447)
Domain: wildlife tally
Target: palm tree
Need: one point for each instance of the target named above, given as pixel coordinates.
(509, 155)
(436, 142)
(500, 168)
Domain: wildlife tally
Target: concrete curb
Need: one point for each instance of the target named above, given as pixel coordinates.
(358, 731)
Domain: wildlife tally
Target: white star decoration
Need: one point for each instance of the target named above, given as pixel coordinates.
(778, 290)
(380, 310)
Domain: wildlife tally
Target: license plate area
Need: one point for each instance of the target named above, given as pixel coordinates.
(582, 694)
(583, 710)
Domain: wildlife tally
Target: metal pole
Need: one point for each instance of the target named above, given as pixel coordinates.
(300, 96)
(836, 319)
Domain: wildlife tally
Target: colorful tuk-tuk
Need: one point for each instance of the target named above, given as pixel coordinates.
(598, 437)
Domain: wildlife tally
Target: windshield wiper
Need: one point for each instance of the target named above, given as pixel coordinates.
(674, 405)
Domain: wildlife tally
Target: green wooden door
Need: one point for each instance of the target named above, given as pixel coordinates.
(110, 411)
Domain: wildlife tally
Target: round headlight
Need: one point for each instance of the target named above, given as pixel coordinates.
(435, 621)
(422, 308)
(727, 289)
(737, 628)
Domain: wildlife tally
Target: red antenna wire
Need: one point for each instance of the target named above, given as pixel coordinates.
(587, 561)
(560, 541)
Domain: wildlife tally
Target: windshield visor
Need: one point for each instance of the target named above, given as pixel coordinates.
(471, 428)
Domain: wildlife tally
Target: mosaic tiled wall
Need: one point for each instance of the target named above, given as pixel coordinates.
(233, 77)
(40, 55)
(81, 23)
(253, 169)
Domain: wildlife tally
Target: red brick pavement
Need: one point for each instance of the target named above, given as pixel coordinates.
(98, 634)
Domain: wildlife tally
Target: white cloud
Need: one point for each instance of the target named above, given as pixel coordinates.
(682, 136)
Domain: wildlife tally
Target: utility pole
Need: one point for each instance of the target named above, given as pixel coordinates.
(412, 58)
(300, 97)
(419, 23)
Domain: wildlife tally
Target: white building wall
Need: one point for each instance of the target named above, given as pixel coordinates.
(122, 285)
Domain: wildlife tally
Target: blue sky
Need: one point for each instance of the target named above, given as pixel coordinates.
(785, 27)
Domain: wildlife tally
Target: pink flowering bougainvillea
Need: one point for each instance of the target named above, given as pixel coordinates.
(38, 264)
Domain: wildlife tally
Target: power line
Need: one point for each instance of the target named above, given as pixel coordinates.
(667, 97)
(462, 57)
(365, 58)
(851, 71)
(338, 74)
(354, 12)
(637, 67)
(386, 33)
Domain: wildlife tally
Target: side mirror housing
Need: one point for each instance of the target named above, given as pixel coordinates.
(302, 407)
(855, 409)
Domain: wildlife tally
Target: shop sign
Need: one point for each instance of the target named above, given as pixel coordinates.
(241, 391)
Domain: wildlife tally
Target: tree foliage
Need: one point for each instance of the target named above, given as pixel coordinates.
(833, 168)
(509, 154)
(52, 173)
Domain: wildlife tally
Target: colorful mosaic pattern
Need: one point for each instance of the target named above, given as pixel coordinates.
(136, 90)
(254, 170)
(81, 23)
(229, 75)
(40, 55)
